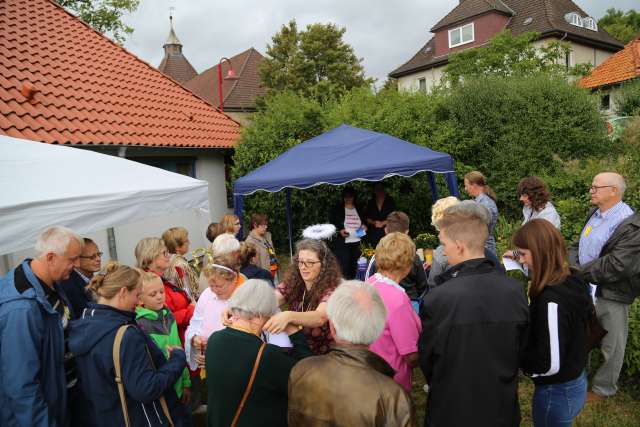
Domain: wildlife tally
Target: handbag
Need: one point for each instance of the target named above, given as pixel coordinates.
(118, 370)
(249, 386)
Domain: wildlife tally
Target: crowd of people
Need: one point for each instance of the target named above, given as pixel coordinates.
(83, 344)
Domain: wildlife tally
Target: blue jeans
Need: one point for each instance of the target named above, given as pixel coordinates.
(556, 405)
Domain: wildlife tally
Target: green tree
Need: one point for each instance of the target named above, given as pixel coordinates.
(628, 100)
(623, 26)
(315, 62)
(506, 55)
(105, 16)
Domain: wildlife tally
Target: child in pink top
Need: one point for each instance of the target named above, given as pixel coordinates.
(401, 330)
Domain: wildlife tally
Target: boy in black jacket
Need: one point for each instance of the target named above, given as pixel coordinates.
(473, 333)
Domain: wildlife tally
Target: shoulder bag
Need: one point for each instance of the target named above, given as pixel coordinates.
(116, 364)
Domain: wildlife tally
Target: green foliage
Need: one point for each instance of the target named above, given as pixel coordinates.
(506, 55)
(623, 26)
(427, 241)
(632, 352)
(510, 128)
(105, 16)
(628, 100)
(315, 62)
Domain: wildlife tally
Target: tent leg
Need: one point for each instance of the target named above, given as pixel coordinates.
(111, 239)
(452, 183)
(289, 226)
(434, 187)
(238, 207)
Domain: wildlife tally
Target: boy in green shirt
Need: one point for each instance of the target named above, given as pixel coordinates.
(158, 322)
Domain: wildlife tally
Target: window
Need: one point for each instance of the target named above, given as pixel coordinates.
(422, 84)
(573, 19)
(605, 102)
(567, 59)
(181, 165)
(590, 24)
(461, 35)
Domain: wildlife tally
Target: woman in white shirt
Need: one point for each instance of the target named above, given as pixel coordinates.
(534, 195)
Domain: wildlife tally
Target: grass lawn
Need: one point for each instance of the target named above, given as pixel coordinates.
(619, 411)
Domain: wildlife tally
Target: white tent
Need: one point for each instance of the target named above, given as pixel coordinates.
(42, 185)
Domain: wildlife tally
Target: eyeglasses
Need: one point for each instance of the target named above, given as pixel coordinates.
(306, 264)
(595, 188)
(94, 256)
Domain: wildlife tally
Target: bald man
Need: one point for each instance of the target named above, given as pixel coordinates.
(606, 255)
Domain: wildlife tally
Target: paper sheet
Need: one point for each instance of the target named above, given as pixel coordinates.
(510, 264)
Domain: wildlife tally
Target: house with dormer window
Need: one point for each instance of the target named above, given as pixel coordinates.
(472, 23)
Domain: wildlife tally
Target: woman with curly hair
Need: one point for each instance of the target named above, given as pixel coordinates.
(308, 283)
(534, 195)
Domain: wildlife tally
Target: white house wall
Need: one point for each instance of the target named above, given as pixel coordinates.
(580, 54)
(411, 83)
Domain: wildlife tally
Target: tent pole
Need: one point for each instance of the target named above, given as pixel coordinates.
(238, 207)
(434, 187)
(111, 239)
(289, 226)
(452, 183)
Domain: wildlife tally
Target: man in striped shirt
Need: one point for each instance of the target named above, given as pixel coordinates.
(604, 255)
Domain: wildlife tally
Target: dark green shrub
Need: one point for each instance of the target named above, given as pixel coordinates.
(628, 100)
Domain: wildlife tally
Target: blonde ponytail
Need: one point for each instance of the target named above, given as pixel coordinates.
(113, 277)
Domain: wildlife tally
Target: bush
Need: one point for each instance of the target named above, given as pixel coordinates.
(628, 100)
(510, 128)
(632, 353)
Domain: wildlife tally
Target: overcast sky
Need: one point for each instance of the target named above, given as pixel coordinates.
(383, 33)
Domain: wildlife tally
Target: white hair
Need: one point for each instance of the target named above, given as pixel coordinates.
(615, 179)
(56, 239)
(225, 244)
(255, 298)
(357, 312)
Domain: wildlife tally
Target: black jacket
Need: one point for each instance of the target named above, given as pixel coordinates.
(617, 270)
(91, 340)
(556, 350)
(474, 329)
(77, 294)
(252, 271)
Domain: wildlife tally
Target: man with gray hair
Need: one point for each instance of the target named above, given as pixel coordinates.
(34, 315)
(473, 330)
(350, 385)
(606, 256)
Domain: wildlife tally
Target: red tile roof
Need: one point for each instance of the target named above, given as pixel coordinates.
(86, 90)
(469, 8)
(547, 18)
(239, 95)
(624, 65)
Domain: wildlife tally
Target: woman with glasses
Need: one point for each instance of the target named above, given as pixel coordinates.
(556, 351)
(308, 283)
(152, 255)
(223, 278)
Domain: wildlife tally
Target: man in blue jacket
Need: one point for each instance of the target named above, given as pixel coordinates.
(34, 315)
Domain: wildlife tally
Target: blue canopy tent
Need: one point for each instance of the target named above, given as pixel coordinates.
(342, 155)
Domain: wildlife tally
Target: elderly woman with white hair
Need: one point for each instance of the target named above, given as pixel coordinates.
(247, 378)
